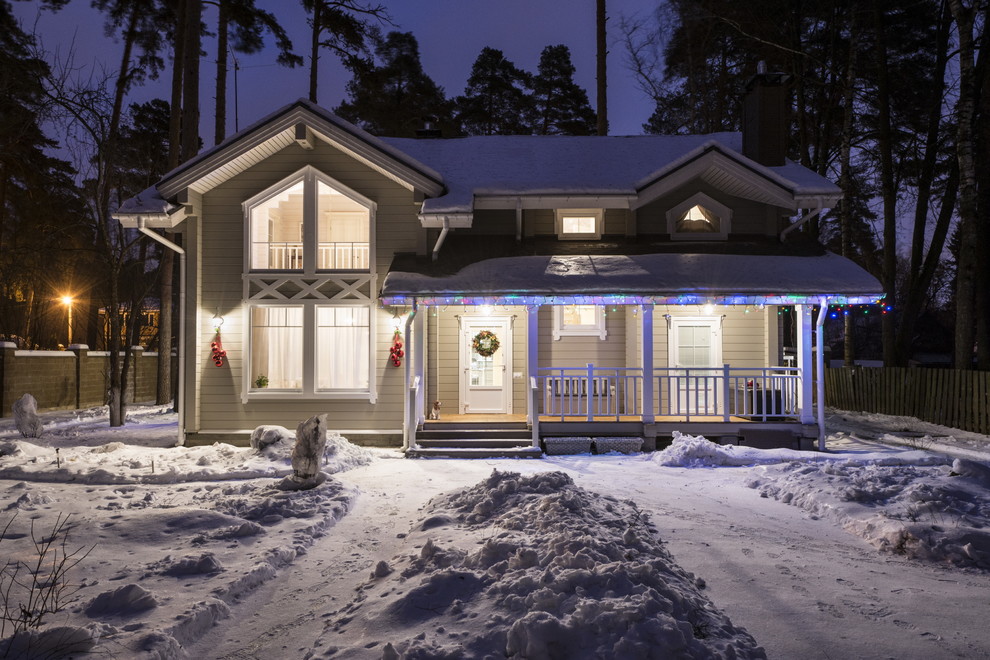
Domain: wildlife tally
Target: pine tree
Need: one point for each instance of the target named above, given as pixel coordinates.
(561, 106)
(496, 100)
(391, 94)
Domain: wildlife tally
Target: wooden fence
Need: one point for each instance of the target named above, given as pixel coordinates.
(950, 397)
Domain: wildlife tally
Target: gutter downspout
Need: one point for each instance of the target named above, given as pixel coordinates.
(443, 235)
(181, 399)
(805, 218)
(820, 368)
(409, 407)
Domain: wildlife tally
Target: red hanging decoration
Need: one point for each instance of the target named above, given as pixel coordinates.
(218, 353)
(396, 353)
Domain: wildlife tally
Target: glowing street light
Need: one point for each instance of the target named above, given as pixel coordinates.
(67, 301)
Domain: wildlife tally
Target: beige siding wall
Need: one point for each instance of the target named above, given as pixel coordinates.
(579, 351)
(220, 288)
(748, 217)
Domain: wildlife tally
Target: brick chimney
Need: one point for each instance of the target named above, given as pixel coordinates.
(766, 116)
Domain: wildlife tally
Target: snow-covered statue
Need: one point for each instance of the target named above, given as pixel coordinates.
(26, 416)
(307, 454)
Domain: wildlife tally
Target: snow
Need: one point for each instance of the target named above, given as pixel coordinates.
(877, 548)
(646, 274)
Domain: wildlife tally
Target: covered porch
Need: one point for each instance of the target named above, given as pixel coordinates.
(645, 389)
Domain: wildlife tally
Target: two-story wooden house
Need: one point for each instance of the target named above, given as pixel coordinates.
(583, 286)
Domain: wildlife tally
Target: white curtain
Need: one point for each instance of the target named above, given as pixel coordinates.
(343, 336)
(276, 346)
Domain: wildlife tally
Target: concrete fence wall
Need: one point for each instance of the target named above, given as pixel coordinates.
(66, 380)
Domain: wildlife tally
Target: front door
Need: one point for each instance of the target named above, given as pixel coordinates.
(696, 354)
(486, 365)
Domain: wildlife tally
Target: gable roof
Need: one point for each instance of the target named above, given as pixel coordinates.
(298, 122)
(629, 168)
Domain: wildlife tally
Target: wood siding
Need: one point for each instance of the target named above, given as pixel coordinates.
(748, 217)
(220, 288)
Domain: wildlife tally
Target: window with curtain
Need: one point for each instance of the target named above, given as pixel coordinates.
(579, 321)
(343, 337)
(698, 219)
(276, 341)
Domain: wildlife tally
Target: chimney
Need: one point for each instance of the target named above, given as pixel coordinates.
(430, 129)
(766, 116)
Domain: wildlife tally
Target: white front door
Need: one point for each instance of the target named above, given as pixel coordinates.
(696, 354)
(486, 379)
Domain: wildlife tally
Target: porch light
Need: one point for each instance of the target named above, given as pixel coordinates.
(396, 322)
(217, 322)
(708, 308)
(487, 310)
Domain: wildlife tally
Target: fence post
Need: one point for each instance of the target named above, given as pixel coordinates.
(7, 349)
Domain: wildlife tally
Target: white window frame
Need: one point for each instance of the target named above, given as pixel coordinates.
(309, 348)
(723, 212)
(310, 176)
(597, 214)
(561, 329)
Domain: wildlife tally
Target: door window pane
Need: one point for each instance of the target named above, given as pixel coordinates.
(276, 347)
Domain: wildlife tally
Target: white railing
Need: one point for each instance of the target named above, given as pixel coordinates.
(591, 391)
(757, 394)
(285, 256)
(330, 256)
(343, 256)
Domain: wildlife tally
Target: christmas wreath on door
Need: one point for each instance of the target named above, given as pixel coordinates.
(485, 343)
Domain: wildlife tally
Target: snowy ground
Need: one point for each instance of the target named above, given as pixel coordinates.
(879, 548)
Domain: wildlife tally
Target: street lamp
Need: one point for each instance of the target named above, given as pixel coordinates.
(67, 301)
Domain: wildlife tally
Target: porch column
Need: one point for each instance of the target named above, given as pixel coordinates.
(419, 357)
(532, 364)
(647, 354)
(804, 362)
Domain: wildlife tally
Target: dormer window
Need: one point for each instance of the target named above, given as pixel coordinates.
(579, 224)
(699, 218)
(308, 223)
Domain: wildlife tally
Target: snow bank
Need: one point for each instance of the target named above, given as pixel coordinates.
(539, 568)
(698, 451)
(921, 511)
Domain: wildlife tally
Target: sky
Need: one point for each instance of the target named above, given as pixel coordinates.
(451, 34)
(877, 548)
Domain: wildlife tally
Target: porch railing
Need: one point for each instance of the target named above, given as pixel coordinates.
(758, 394)
(590, 392)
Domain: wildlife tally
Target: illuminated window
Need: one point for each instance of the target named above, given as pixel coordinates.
(276, 335)
(309, 223)
(579, 224)
(578, 321)
(699, 218)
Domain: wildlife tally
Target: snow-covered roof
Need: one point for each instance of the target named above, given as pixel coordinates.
(651, 277)
(528, 165)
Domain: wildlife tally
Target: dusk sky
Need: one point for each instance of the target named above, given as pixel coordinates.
(451, 34)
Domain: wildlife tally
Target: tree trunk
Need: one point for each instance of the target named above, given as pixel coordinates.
(602, 42)
(190, 80)
(220, 120)
(175, 110)
(982, 140)
(314, 54)
(966, 265)
(887, 191)
(845, 180)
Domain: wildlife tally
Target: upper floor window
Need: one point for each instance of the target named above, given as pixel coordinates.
(307, 223)
(699, 218)
(578, 224)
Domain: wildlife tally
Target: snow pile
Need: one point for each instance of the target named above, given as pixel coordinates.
(536, 567)
(698, 451)
(934, 513)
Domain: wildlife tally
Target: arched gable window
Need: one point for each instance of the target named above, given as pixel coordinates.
(699, 217)
(309, 223)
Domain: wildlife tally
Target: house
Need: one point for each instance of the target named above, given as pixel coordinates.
(541, 285)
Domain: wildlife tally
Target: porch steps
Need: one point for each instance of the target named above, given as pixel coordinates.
(474, 440)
